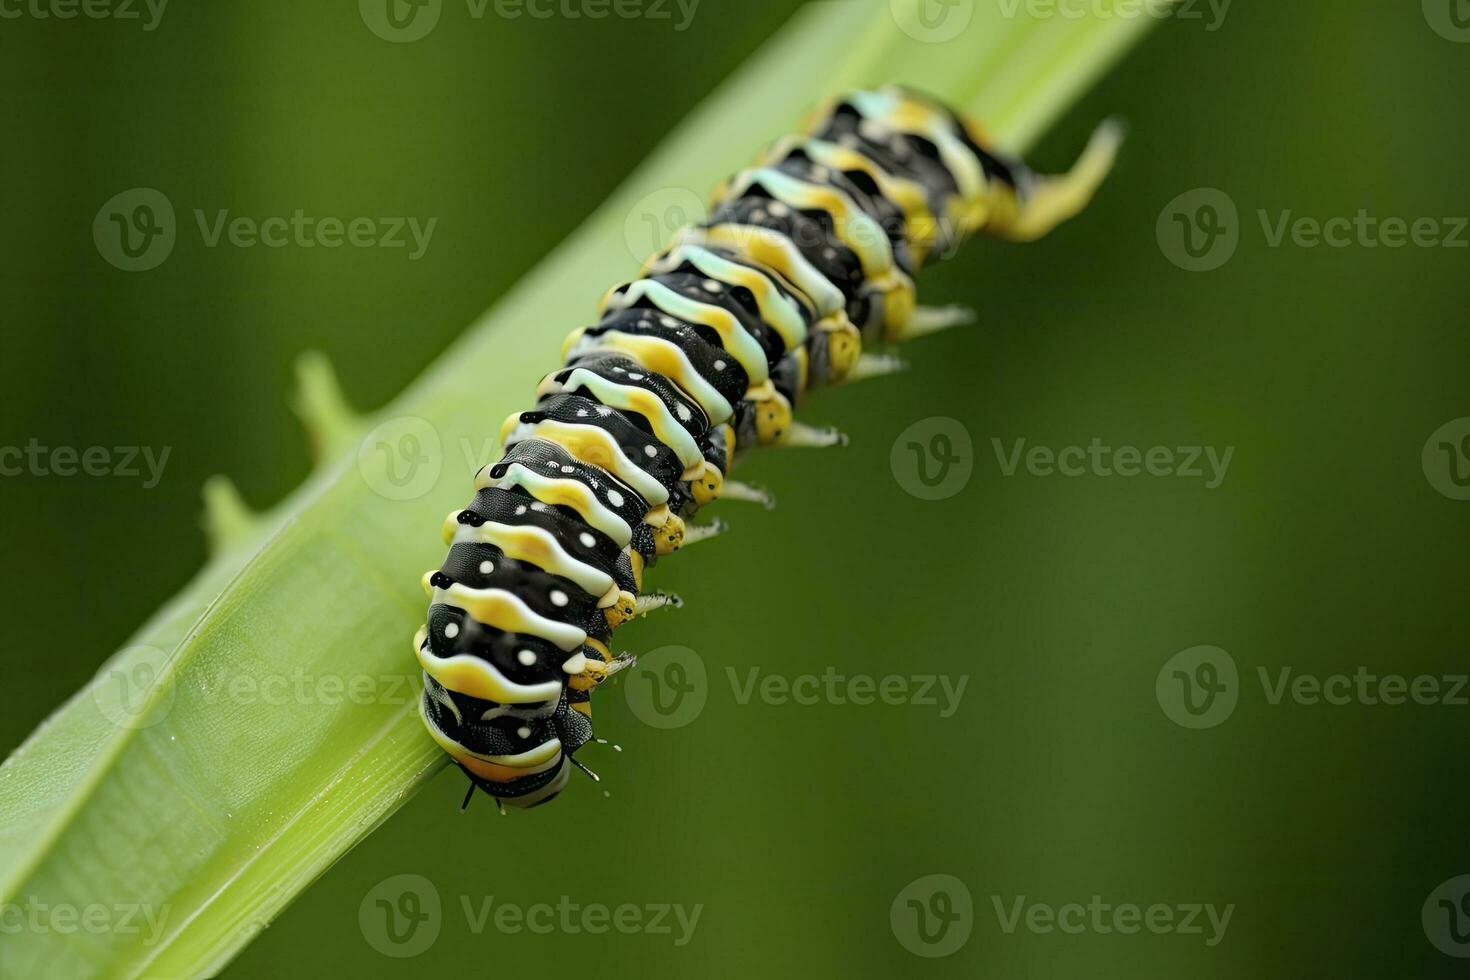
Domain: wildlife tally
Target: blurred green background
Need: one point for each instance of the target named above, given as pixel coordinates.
(1060, 777)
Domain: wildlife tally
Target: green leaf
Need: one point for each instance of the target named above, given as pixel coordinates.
(264, 721)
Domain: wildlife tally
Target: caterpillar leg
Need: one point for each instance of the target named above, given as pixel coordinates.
(1043, 202)
(931, 319)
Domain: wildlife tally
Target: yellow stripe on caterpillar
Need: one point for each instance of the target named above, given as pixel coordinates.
(776, 309)
(507, 611)
(558, 492)
(593, 446)
(738, 341)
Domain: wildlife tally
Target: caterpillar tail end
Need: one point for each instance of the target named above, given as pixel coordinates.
(1051, 200)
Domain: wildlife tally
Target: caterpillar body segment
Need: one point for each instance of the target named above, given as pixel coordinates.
(805, 258)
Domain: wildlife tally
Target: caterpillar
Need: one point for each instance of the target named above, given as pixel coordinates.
(805, 258)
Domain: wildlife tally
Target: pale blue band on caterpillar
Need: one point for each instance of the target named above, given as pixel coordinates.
(804, 259)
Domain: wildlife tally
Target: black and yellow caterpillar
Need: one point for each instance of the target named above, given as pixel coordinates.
(803, 259)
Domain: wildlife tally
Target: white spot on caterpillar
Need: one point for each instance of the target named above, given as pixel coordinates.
(683, 412)
(779, 210)
(523, 732)
(710, 286)
(559, 598)
(668, 321)
(633, 376)
(451, 631)
(615, 498)
(587, 539)
(569, 469)
(720, 365)
(486, 567)
(527, 658)
(520, 510)
(650, 452)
